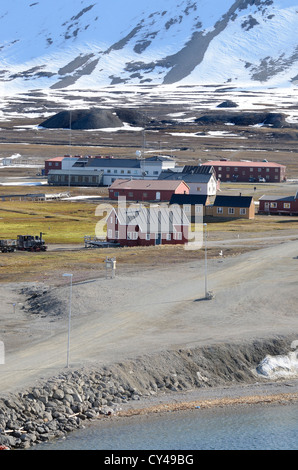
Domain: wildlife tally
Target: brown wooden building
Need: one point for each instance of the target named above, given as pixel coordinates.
(147, 190)
(142, 226)
(232, 207)
(247, 171)
(283, 205)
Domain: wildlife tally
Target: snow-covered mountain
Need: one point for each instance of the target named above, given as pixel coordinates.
(85, 44)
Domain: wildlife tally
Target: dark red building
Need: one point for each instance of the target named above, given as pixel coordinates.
(142, 226)
(247, 171)
(147, 190)
(287, 205)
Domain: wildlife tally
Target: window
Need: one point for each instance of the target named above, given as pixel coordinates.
(50, 163)
(243, 173)
(145, 194)
(168, 237)
(219, 168)
(115, 171)
(130, 194)
(242, 211)
(108, 171)
(276, 170)
(228, 175)
(128, 172)
(273, 205)
(231, 210)
(259, 170)
(122, 171)
(187, 207)
(267, 170)
(116, 193)
(228, 168)
(134, 235)
(251, 169)
(219, 210)
(236, 168)
(147, 236)
(287, 205)
(155, 172)
(178, 236)
(110, 233)
(117, 234)
(129, 235)
(199, 188)
(198, 208)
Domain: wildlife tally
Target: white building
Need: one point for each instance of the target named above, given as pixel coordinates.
(96, 171)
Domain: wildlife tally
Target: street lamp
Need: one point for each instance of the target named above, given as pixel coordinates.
(206, 290)
(69, 316)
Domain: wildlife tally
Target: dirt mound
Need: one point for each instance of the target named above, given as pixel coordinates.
(81, 119)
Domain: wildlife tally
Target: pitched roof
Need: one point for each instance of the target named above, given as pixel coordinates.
(152, 219)
(278, 198)
(233, 201)
(192, 199)
(243, 164)
(155, 185)
(113, 162)
(187, 177)
(197, 169)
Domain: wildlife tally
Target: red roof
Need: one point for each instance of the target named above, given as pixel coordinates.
(146, 184)
(55, 159)
(243, 163)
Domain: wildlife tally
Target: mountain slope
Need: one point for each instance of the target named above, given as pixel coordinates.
(88, 43)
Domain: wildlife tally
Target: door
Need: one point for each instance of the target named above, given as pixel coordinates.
(157, 197)
(158, 239)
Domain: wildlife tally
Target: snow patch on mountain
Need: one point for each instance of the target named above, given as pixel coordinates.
(81, 44)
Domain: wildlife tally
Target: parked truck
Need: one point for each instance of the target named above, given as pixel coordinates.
(23, 243)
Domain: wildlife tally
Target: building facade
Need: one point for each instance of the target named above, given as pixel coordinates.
(109, 167)
(232, 207)
(247, 171)
(279, 205)
(140, 226)
(147, 190)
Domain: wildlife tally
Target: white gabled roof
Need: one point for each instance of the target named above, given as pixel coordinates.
(152, 219)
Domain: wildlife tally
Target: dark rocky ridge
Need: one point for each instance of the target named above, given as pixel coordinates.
(95, 118)
(83, 119)
(267, 119)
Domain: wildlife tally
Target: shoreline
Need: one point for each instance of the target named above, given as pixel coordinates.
(207, 404)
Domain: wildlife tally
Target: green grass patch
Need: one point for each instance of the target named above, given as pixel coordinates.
(60, 222)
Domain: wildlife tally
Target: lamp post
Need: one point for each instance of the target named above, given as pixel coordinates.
(206, 289)
(69, 317)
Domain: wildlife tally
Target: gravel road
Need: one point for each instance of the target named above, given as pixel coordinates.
(255, 296)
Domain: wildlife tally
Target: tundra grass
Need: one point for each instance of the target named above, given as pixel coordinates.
(59, 222)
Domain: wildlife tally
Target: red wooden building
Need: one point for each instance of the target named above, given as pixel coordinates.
(287, 205)
(147, 190)
(247, 171)
(141, 226)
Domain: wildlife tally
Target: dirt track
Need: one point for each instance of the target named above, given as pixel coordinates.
(116, 319)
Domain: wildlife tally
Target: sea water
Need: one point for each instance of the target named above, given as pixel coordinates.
(255, 427)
